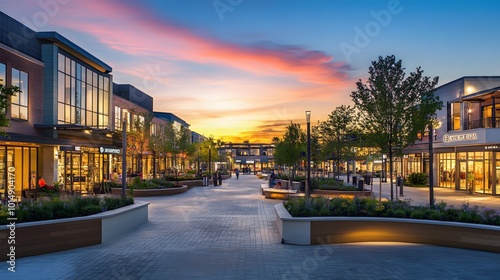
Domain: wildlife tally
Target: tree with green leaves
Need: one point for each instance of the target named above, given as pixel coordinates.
(394, 107)
(338, 134)
(206, 151)
(138, 138)
(6, 92)
(289, 149)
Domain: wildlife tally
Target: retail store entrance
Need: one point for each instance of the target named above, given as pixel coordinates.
(80, 170)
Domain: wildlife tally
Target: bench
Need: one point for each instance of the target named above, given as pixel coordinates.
(276, 193)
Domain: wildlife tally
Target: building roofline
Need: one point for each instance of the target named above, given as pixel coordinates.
(476, 94)
(73, 49)
(466, 77)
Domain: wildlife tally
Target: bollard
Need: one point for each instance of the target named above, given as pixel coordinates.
(400, 184)
(360, 185)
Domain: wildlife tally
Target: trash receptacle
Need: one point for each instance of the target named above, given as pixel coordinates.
(205, 181)
(367, 179)
(354, 180)
(400, 184)
(360, 184)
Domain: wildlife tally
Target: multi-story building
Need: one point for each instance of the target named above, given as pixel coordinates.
(248, 157)
(466, 143)
(61, 120)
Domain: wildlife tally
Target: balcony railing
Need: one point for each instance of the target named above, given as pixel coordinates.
(482, 123)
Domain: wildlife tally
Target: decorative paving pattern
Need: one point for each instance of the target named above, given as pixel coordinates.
(228, 232)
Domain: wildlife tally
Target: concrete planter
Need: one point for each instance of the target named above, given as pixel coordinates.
(42, 237)
(333, 230)
(349, 194)
(153, 192)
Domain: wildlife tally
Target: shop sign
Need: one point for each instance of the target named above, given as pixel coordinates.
(492, 147)
(250, 161)
(104, 150)
(460, 137)
(86, 149)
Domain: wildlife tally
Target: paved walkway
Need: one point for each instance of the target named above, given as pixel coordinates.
(228, 232)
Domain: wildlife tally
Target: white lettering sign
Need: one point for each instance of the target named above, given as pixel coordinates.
(460, 137)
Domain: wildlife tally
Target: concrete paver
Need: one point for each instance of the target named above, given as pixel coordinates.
(229, 232)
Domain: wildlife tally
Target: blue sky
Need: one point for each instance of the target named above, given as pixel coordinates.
(243, 69)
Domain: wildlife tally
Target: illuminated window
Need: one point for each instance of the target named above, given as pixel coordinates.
(19, 103)
(2, 74)
(83, 95)
(118, 118)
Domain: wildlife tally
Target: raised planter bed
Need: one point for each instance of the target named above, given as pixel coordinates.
(35, 238)
(334, 193)
(333, 230)
(153, 192)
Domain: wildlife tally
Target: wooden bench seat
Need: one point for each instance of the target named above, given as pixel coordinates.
(276, 193)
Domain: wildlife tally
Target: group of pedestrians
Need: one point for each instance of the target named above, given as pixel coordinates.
(217, 177)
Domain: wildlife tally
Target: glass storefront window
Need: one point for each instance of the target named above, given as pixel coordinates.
(83, 95)
(18, 164)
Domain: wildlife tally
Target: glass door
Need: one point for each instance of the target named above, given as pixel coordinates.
(462, 182)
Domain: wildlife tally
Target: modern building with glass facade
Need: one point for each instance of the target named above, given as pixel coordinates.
(466, 143)
(60, 122)
(248, 157)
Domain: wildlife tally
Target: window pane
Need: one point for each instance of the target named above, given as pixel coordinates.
(82, 117)
(60, 87)
(60, 62)
(15, 111)
(106, 84)
(73, 91)
(23, 95)
(101, 101)
(82, 96)
(73, 115)
(78, 90)
(67, 114)
(15, 82)
(84, 74)
(89, 97)
(2, 74)
(67, 69)
(73, 68)
(67, 90)
(94, 99)
(60, 111)
(78, 71)
(23, 113)
(89, 77)
(89, 118)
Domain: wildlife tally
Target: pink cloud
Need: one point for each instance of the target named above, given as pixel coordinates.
(135, 31)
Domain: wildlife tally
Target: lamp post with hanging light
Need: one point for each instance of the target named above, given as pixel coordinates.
(308, 178)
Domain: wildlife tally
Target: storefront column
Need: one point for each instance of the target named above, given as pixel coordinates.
(48, 168)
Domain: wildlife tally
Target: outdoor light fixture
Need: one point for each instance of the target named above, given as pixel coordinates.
(308, 178)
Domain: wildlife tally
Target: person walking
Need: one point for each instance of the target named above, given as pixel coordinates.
(214, 178)
(237, 171)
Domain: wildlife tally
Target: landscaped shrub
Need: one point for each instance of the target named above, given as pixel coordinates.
(417, 179)
(30, 211)
(330, 184)
(366, 207)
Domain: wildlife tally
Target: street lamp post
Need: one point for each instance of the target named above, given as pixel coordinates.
(431, 163)
(308, 179)
(124, 158)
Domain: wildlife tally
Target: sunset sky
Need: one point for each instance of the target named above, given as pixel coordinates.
(243, 69)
